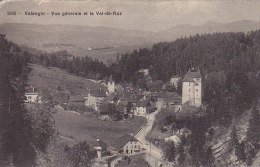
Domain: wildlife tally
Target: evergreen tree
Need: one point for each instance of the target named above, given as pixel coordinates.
(253, 132)
(182, 155)
(208, 158)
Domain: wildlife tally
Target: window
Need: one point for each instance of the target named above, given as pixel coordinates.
(197, 90)
(189, 90)
(196, 84)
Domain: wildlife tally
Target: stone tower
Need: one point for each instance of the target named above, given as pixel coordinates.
(191, 88)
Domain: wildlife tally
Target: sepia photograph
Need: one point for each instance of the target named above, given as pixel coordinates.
(129, 83)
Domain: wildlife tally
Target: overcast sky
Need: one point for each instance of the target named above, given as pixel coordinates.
(150, 15)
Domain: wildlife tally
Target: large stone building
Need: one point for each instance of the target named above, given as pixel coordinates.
(191, 88)
(94, 99)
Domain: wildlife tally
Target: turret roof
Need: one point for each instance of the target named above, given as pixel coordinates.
(191, 74)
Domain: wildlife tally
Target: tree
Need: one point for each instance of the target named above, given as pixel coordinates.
(208, 158)
(234, 138)
(81, 154)
(240, 152)
(169, 150)
(42, 125)
(238, 147)
(182, 155)
(253, 131)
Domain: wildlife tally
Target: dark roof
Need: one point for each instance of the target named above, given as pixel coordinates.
(123, 140)
(98, 143)
(142, 104)
(134, 98)
(31, 89)
(120, 107)
(191, 74)
(112, 96)
(98, 93)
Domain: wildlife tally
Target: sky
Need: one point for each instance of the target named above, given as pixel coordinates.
(147, 15)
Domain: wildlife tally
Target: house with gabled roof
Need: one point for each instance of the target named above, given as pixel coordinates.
(168, 100)
(128, 144)
(95, 98)
(31, 95)
(142, 108)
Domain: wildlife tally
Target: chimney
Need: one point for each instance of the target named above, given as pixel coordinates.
(98, 139)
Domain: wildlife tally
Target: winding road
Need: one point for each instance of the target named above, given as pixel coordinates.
(150, 148)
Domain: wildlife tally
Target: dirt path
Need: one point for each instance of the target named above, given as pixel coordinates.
(149, 147)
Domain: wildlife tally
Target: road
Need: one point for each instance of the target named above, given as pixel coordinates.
(149, 147)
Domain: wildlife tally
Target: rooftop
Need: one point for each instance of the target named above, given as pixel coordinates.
(142, 104)
(98, 143)
(31, 89)
(123, 140)
(191, 74)
(98, 93)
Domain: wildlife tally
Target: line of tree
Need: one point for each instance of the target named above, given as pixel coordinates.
(80, 66)
(16, 148)
(22, 132)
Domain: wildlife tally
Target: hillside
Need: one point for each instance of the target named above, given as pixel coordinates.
(106, 43)
(51, 83)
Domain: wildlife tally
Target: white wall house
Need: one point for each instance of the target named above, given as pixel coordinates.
(132, 147)
(174, 81)
(95, 98)
(191, 88)
(31, 96)
(142, 108)
(128, 144)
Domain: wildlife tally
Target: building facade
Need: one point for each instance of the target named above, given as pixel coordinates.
(192, 88)
(128, 144)
(95, 99)
(31, 95)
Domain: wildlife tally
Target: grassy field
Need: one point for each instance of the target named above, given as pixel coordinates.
(80, 128)
(51, 79)
(72, 127)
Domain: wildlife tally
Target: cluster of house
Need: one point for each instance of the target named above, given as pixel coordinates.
(132, 101)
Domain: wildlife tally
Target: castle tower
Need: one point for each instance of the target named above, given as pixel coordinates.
(111, 86)
(191, 88)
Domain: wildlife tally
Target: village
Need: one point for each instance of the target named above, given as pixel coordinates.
(117, 102)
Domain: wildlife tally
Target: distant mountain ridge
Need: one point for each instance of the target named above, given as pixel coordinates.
(209, 27)
(78, 39)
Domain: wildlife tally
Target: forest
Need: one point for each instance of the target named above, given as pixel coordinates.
(16, 128)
